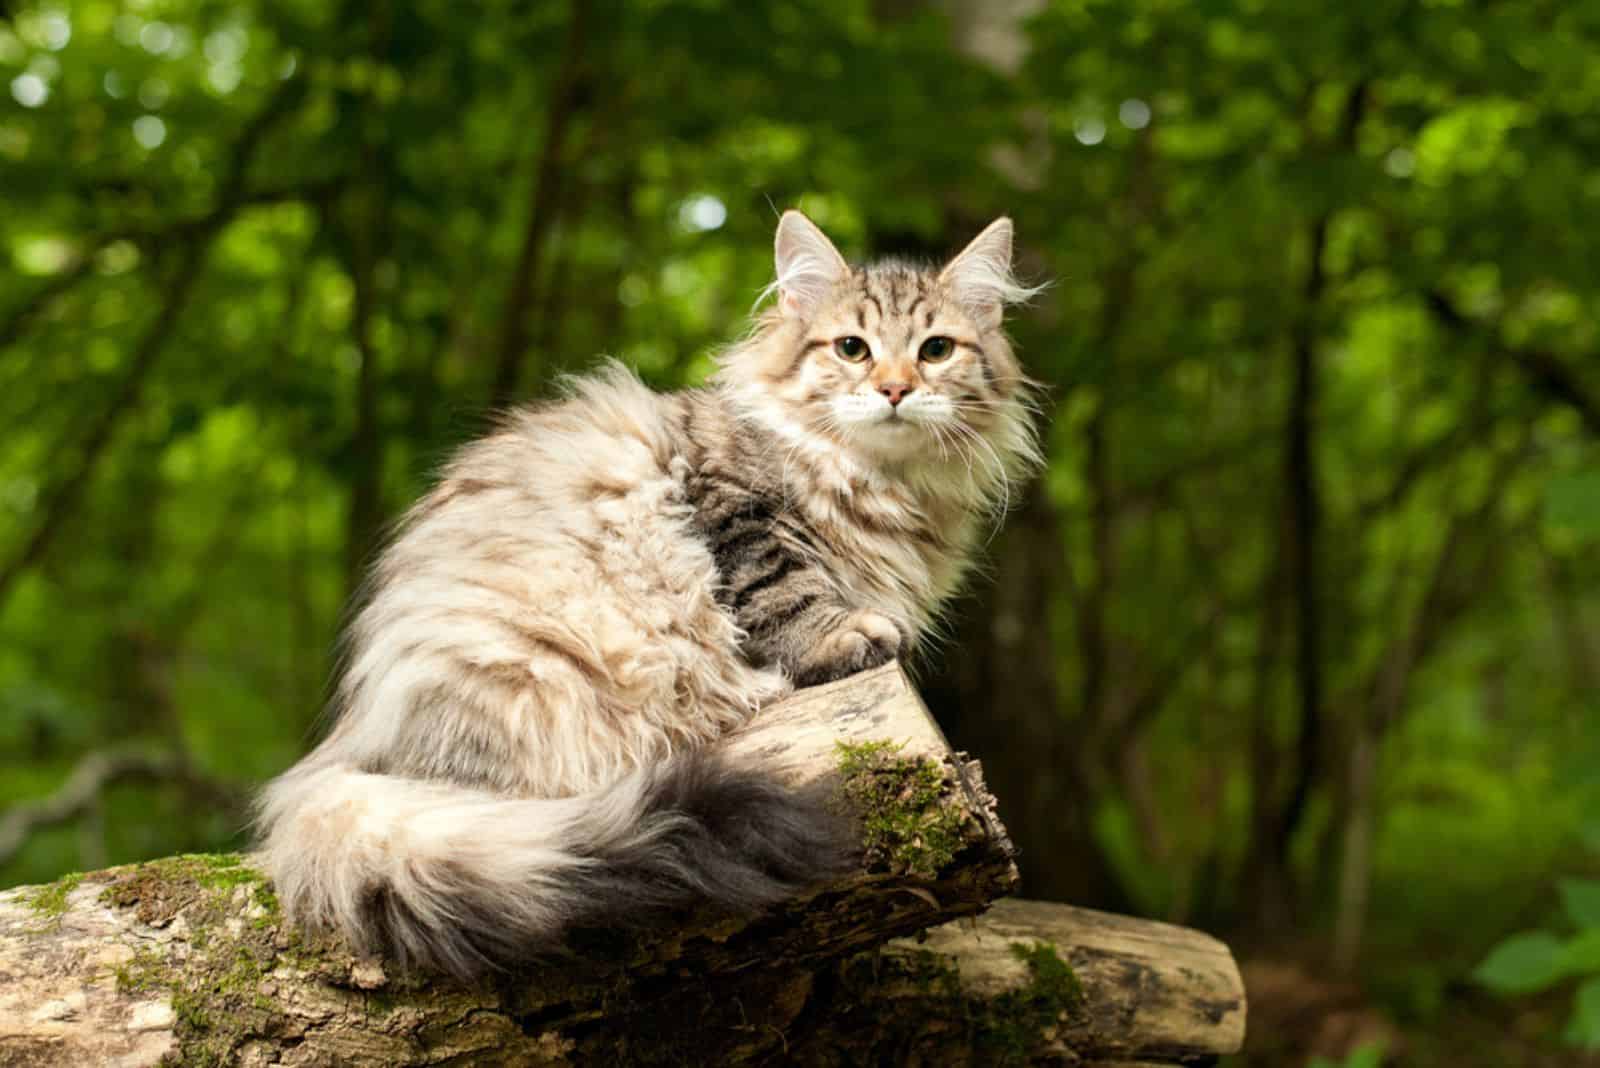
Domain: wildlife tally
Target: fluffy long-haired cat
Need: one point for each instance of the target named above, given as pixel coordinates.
(611, 581)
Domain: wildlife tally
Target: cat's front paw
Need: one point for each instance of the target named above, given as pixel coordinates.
(862, 640)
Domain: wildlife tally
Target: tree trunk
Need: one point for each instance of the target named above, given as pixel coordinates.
(188, 958)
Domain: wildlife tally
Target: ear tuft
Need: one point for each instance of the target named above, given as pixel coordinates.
(981, 274)
(808, 265)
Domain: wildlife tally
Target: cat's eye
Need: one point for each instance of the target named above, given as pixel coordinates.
(937, 348)
(852, 348)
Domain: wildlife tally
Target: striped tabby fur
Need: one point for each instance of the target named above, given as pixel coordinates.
(611, 581)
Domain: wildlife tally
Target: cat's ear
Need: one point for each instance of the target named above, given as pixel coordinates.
(981, 277)
(808, 264)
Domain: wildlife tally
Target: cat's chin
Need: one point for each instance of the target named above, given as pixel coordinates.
(895, 438)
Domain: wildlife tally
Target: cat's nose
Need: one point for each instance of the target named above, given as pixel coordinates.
(895, 391)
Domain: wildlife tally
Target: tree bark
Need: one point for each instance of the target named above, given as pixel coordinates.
(1028, 983)
(188, 958)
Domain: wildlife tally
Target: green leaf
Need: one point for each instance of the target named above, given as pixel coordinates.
(1581, 956)
(1584, 1027)
(1581, 898)
(1523, 964)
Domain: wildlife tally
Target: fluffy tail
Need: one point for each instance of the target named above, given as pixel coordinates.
(467, 881)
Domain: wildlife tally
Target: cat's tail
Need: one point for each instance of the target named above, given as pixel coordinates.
(469, 881)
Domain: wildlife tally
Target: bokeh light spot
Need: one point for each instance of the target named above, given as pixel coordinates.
(156, 37)
(1089, 131)
(29, 90)
(701, 213)
(55, 30)
(1134, 113)
(149, 131)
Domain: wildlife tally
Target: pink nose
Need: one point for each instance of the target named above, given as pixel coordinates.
(895, 391)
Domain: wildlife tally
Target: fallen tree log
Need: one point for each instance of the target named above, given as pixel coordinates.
(188, 960)
(1034, 982)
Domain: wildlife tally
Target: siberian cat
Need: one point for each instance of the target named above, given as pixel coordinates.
(613, 580)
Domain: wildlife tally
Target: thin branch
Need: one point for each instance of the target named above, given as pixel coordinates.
(88, 782)
(64, 498)
(21, 317)
(1551, 375)
(1565, 594)
(543, 196)
(17, 321)
(1451, 585)
(1160, 684)
(1546, 372)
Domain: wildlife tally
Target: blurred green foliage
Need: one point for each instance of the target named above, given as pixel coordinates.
(1532, 961)
(1297, 638)
(1365, 1057)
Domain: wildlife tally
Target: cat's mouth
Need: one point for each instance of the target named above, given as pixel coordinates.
(902, 419)
(893, 419)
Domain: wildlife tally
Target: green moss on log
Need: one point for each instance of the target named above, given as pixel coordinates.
(160, 888)
(911, 820)
(50, 901)
(144, 973)
(1017, 1027)
(217, 989)
(1017, 1024)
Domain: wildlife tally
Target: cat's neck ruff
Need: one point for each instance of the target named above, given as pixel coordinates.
(937, 482)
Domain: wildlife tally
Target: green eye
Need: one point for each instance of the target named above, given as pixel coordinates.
(937, 348)
(852, 348)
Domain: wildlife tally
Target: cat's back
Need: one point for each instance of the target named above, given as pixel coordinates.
(548, 465)
(551, 601)
(605, 433)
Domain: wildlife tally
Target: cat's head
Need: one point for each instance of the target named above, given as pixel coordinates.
(892, 360)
